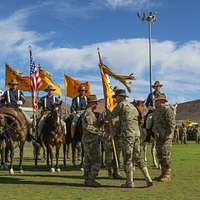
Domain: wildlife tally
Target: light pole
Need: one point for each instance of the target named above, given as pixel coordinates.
(150, 18)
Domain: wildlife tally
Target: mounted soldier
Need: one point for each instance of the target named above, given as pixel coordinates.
(151, 97)
(150, 104)
(46, 104)
(79, 104)
(15, 97)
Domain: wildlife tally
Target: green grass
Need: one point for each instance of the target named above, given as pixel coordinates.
(40, 184)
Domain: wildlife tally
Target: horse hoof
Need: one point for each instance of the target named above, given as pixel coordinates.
(82, 169)
(21, 171)
(58, 170)
(52, 170)
(11, 171)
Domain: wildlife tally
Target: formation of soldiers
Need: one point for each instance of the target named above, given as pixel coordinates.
(124, 128)
(182, 133)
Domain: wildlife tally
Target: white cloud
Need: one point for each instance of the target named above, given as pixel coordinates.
(175, 65)
(126, 3)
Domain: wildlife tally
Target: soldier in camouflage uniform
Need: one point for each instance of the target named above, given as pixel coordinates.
(197, 132)
(129, 128)
(113, 170)
(183, 134)
(107, 145)
(176, 135)
(164, 125)
(118, 143)
(91, 143)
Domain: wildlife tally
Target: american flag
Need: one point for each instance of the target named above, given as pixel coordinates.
(35, 77)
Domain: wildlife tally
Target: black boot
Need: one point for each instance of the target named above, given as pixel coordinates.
(32, 139)
(116, 174)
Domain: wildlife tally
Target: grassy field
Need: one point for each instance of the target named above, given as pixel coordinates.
(40, 184)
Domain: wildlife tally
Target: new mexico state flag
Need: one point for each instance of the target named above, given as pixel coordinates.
(71, 87)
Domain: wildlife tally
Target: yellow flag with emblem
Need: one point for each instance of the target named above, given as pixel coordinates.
(108, 92)
(11, 74)
(46, 80)
(24, 81)
(71, 86)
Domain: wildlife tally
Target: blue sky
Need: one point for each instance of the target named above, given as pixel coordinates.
(65, 35)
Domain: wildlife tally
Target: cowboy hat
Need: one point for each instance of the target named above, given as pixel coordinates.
(81, 88)
(156, 84)
(13, 82)
(161, 96)
(92, 98)
(120, 92)
(50, 88)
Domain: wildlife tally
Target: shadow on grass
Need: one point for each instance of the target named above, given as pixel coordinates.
(32, 168)
(14, 180)
(52, 176)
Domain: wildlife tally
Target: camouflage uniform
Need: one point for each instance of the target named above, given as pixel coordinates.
(109, 154)
(118, 146)
(91, 146)
(164, 125)
(183, 135)
(129, 128)
(197, 130)
(107, 145)
(176, 135)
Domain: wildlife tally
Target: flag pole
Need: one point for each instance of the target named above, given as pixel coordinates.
(32, 92)
(65, 96)
(111, 126)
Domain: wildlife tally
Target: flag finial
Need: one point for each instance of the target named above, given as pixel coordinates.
(100, 58)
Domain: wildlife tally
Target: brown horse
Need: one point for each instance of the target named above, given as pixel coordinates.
(15, 131)
(75, 140)
(53, 134)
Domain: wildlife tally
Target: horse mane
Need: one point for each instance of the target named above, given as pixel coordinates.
(13, 113)
(49, 122)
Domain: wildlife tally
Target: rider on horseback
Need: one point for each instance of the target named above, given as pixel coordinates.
(150, 99)
(15, 97)
(46, 104)
(150, 104)
(79, 104)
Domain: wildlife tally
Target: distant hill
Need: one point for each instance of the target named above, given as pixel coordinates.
(189, 110)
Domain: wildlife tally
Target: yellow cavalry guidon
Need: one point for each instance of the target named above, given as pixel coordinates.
(108, 93)
(11, 74)
(46, 80)
(71, 86)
